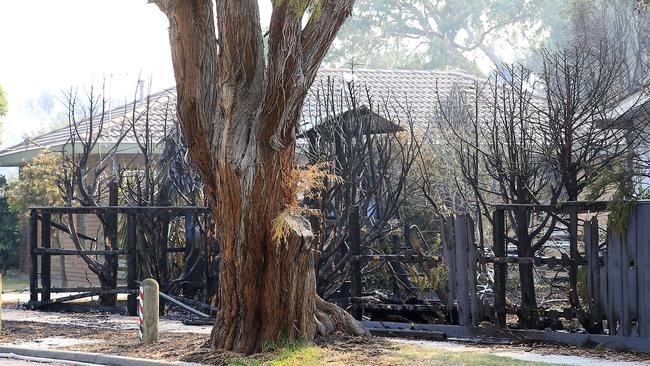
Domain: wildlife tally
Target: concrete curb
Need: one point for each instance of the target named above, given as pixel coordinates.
(87, 357)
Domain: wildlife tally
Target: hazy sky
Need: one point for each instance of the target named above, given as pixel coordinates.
(50, 46)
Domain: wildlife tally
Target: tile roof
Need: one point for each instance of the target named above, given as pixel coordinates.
(420, 90)
(416, 88)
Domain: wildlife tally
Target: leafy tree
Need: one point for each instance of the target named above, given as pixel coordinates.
(38, 184)
(441, 34)
(9, 228)
(3, 106)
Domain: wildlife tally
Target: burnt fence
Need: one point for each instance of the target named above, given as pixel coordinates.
(476, 288)
(41, 251)
(618, 277)
(602, 288)
(571, 213)
(616, 268)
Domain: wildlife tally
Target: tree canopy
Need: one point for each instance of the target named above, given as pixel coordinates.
(442, 34)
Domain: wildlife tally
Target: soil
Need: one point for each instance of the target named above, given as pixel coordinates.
(172, 346)
(193, 347)
(188, 347)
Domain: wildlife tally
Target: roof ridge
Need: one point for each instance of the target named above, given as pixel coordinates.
(406, 71)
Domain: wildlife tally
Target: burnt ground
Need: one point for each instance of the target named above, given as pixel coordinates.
(102, 333)
(189, 347)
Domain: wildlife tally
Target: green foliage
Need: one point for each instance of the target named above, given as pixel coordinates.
(296, 353)
(622, 202)
(3, 103)
(9, 227)
(38, 183)
(619, 216)
(241, 361)
(583, 288)
(282, 353)
(282, 342)
(443, 34)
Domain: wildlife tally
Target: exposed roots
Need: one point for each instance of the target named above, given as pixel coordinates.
(332, 319)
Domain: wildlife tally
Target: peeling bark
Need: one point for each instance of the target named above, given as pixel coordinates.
(238, 113)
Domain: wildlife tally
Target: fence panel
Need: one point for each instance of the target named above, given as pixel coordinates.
(461, 258)
(619, 290)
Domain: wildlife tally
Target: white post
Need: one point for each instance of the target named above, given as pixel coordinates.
(148, 311)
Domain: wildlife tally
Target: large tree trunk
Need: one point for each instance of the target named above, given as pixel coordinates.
(238, 114)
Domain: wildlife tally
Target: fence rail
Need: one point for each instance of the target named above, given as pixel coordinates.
(40, 247)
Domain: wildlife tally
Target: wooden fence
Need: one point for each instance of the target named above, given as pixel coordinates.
(461, 256)
(41, 249)
(619, 275)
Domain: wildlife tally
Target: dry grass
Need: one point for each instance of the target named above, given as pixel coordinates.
(193, 347)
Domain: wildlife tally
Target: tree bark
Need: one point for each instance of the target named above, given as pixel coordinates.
(528, 312)
(239, 114)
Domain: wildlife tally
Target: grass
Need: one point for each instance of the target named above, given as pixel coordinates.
(14, 281)
(413, 355)
(294, 354)
(283, 352)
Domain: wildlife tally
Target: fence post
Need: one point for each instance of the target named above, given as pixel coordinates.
(355, 249)
(500, 268)
(132, 264)
(593, 266)
(46, 263)
(163, 262)
(447, 237)
(33, 244)
(574, 300)
(396, 264)
(112, 259)
(462, 269)
(189, 234)
(148, 311)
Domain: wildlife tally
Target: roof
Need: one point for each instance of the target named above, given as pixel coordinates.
(420, 90)
(118, 122)
(371, 122)
(632, 111)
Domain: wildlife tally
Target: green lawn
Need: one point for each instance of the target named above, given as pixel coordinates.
(14, 281)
